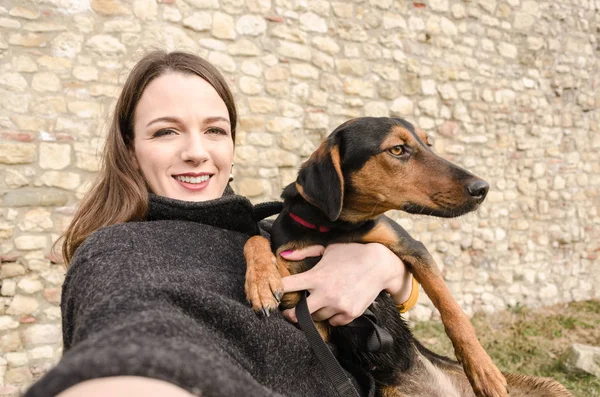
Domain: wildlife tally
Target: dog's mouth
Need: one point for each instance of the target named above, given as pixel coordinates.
(441, 211)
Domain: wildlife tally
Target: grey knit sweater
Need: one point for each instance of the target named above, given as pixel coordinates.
(164, 298)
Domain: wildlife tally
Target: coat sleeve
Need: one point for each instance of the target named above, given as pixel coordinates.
(118, 321)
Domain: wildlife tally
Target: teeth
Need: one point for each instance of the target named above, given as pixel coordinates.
(192, 179)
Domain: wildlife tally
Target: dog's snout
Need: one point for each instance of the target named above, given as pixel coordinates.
(478, 189)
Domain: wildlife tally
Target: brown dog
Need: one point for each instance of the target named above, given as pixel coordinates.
(366, 167)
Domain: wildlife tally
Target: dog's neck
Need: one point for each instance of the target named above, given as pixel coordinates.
(295, 203)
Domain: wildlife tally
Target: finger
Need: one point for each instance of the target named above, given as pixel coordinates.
(290, 315)
(297, 282)
(324, 314)
(313, 306)
(298, 255)
(340, 319)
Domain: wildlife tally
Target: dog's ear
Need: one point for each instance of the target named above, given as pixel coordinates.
(320, 180)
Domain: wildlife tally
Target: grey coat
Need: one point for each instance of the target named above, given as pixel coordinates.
(164, 298)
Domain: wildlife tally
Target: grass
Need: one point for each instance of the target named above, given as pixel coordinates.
(531, 341)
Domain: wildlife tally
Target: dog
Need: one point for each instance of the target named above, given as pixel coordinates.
(364, 168)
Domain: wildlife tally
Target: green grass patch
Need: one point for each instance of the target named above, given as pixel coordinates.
(531, 341)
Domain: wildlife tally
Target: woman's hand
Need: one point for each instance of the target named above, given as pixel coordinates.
(347, 280)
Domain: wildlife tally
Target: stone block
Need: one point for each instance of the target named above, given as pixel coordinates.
(251, 25)
(23, 63)
(199, 21)
(55, 275)
(312, 22)
(104, 44)
(13, 81)
(251, 187)
(53, 295)
(262, 105)
(16, 359)
(304, 71)
(22, 305)
(244, 47)
(30, 242)
(294, 51)
(223, 26)
(30, 285)
(7, 322)
(359, 87)
(29, 40)
(377, 109)
(326, 44)
(146, 10)
(438, 5)
(54, 156)
(584, 358)
(9, 287)
(110, 7)
(24, 12)
(8, 270)
(42, 334)
(10, 342)
(402, 107)
(250, 85)
(223, 61)
(204, 4)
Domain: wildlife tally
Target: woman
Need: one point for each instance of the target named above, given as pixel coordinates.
(153, 302)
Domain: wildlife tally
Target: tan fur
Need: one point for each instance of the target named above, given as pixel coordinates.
(335, 158)
(263, 280)
(429, 379)
(488, 380)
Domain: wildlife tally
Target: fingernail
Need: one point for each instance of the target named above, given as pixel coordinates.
(286, 252)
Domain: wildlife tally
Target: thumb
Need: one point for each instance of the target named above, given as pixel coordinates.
(298, 255)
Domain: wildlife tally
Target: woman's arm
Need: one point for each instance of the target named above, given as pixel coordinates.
(347, 280)
(125, 386)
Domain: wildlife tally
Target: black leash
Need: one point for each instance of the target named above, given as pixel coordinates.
(333, 369)
(378, 340)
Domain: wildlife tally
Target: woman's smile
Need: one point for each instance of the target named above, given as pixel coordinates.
(194, 182)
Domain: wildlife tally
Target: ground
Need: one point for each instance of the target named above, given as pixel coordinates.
(531, 341)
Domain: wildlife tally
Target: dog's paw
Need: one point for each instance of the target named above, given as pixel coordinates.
(485, 378)
(264, 288)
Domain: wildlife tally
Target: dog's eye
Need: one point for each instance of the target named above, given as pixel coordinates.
(397, 151)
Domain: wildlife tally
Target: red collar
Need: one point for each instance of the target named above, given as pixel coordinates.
(309, 225)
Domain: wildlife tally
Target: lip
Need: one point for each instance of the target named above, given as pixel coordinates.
(194, 187)
(194, 174)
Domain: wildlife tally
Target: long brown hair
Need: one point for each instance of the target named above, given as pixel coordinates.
(120, 193)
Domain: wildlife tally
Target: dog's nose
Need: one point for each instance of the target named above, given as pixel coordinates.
(478, 189)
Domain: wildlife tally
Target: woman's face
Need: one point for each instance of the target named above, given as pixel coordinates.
(182, 138)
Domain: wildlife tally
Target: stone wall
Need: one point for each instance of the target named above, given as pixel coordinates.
(508, 88)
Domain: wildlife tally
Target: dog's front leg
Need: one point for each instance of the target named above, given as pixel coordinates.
(263, 286)
(485, 378)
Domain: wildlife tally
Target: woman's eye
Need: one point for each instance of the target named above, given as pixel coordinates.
(217, 131)
(163, 132)
(397, 150)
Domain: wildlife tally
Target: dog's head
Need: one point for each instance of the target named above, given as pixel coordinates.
(370, 165)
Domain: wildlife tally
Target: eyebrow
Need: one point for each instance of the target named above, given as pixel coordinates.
(208, 120)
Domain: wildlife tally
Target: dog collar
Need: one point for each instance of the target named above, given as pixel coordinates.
(309, 225)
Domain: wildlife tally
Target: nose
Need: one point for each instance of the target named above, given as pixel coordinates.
(478, 189)
(194, 150)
